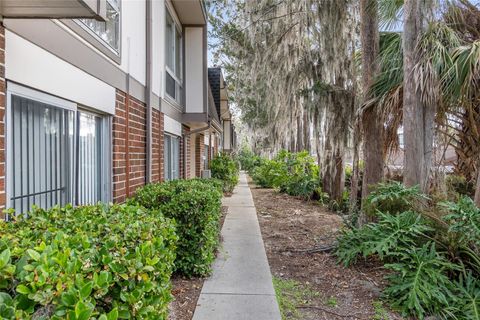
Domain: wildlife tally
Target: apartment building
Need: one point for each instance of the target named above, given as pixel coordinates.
(100, 97)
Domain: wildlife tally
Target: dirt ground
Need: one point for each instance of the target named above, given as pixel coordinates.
(290, 228)
(186, 292)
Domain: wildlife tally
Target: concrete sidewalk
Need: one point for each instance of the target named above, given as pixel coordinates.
(240, 287)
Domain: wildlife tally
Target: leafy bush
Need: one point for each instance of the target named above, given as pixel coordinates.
(302, 175)
(434, 262)
(103, 261)
(393, 197)
(195, 207)
(293, 173)
(389, 238)
(464, 220)
(419, 284)
(271, 174)
(465, 301)
(225, 169)
(248, 160)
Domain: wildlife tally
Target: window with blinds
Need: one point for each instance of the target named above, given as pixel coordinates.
(42, 147)
(55, 155)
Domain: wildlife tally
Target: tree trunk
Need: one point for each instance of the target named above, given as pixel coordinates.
(306, 131)
(372, 124)
(300, 146)
(355, 171)
(417, 120)
(477, 190)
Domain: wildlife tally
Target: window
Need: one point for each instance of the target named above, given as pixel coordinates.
(171, 157)
(173, 47)
(108, 31)
(54, 152)
(89, 158)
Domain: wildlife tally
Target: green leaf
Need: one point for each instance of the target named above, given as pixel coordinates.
(86, 290)
(113, 315)
(83, 311)
(68, 299)
(22, 289)
(4, 257)
(33, 254)
(5, 298)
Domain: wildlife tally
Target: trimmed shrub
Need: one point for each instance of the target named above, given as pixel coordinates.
(195, 206)
(225, 169)
(103, 261)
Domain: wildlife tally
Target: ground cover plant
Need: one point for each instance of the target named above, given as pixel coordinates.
(225, 169)
(104, 261)
(431, 251)
(195, 206)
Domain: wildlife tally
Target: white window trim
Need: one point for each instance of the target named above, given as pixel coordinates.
(16, 89)
(169, 10)
(115, 51)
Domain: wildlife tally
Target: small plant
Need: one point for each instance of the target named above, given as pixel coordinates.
(332, 302)
(380, 311)
(225, 169)
(290, 295)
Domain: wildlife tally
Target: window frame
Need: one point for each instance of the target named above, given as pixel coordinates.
(60, 103)
(179, 81)
(79, 27)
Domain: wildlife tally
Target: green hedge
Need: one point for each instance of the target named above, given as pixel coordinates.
(103, 261)
(226, 170)
(195, 206)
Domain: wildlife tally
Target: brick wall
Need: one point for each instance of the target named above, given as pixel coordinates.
(185, 140)
(2, 118)
(157, 146)
(199, 152)
(129, 146)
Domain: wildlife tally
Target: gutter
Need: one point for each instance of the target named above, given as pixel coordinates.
(148, 89)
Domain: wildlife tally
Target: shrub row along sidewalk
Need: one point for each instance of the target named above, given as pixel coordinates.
(108, 261)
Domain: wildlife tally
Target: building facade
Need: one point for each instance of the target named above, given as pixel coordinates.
(96, 104)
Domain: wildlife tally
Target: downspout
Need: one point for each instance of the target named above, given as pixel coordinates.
(148, 89)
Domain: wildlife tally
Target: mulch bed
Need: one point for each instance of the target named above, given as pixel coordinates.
(186, 291)
(290, 228)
